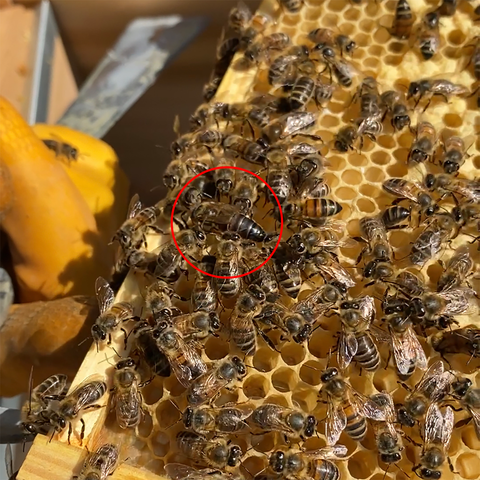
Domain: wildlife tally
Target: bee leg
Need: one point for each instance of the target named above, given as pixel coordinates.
(450, 466)
(157, 229)
(82, 431)
(146, 382)
(69, 431)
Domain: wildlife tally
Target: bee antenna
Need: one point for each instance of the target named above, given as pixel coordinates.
(401, 469)
(83, 341)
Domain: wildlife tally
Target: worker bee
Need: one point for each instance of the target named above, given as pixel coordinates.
(456, 270)
(393, 216)
(355, 342)
(410, 284)
(428, 36)
(291, 422)
(469, 399)
(245, 193)
(249, 151)
(204, 297)
(220, 373)
(369, 98)
(315, 464)
(388, 440)
(413, 191)
(454, 155)
(283, 70)
(197, 325)
(466, 215)
(286, 265)
(225, 176)
(302, 92)
(327, 265)
(308, 176)
(223, 420)
(288, 125)
(469, 190)
(394, 104)
(35, 410)
(345, 138)
(149, 352)
(111, 313)
(447, 8)
(440, 87)
(437, 433)
(323, 92)
(422, 147)
(347, 409)
(211, 87)
(461, 340)
(217, 218)
(184, 360)
(260, 50)
(126, 398)
(158, 300)
(99, 465)
(408, 352)
(278, 176)
(242, 329)
(178, 172)
(403, 20)
(327, 37)
(239, 18)
(312, 211)
(83, 397)
(441, 228)
(433, 387)
(342, 70)
(229, 253)
(62, 149)
(216, 453)
(131, 235)
(320, 239)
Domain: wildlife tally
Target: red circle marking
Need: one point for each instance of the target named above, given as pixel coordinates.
(211, 170)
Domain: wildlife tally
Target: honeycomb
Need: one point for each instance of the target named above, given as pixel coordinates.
(291, 375)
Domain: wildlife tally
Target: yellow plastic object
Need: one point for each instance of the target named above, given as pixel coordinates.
(56, 247)
(96, 173)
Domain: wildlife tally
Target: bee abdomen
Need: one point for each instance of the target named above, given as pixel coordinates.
(302, 92)
(367, 354)
(321, 207)
(292, 283)
(228, 287)
(325, 470)
(246, 228)
(356, 426)
(245, 340)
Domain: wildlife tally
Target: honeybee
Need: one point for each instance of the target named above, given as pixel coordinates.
(291, 422)
(356, 342)
(100, 464)
(184, 360)
(394, 104)
(317, 240)
(413, 191)
(312, 211)
(345, 138)
(308, 176)
(327, 37)
(216, 453)
(408, 352)
(469, 190)
(403, 20)
(388, 440)
(239, 18)
(447, 8)
(466, 215)
(283, 70)
(302, 92)
(323, 92)
(62, 149)
(327, 265)
(278, 176)
(422, 147)
(146, 345)
(126, 398)
(469, 399)
(369, 97)
(83, 397)
(245, 193)
(393, 216)
(204, 420)
(410, 284)
(316, 464)
(433, 387)
(437, 434)
(204, 297)
(179, 471)
(242, 328)
(428, 36)
(461, 340)
(454, 154)
(249, 151)
(35, 410)
(286, 265)
(158, 299)
(178, 172)
(346, 408)
(292, 6)
(442, 228)
(211, 87)
(197, 325)
(260, 50)
(111, 313)
(441, 87)
(217, 218)
(456, 270)
(288, 125)
(220, 373)
(131, 235)
(229, 254)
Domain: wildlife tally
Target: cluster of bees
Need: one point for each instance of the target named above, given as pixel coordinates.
(219, 227)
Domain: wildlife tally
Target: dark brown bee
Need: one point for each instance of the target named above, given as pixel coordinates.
(403, 20)
(447, 8)
(342, 70)
(394, 104)
(204, 297)
(433, 387)
(278, 176)
(220, 373)
(437, 434)
(456, 270)
(245, 193)
(454, 154)
(469, 398)
(327, 37)
(216, 453)
(289, 125)
(312, 465)
(224, 177)
(211, 87)
(290, 422)
(249, 151)
(422, 147)
(260, 50)
(347, 409)
(462, 340)
(292, 6)
(239, 18)
(393, 216)
(229, 253)
(345, 138)
(62, 149)
(218, 218)
(284, 69)
(468, 190)
(207, 419)
(302, 92)
(428, 36)
(369, 97)
(431, 87)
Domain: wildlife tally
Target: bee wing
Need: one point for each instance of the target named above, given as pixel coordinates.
(192, 365)
(430, 377)
(400, 191)
(105, 295)
(367, 307)
(433, 424)
(127, 402)
(88, 392)
(134, 206)
(297, 121)
(447, 428)
(458, 301)
(179, 471)
(380, 335)
(476, 419)
(407, 350)
(334, 452)
(105, 459)
(339, 273)
(347, 348)
(57, 387)
(209, 382)
(335, 424)
(365, 405)
(312, 302)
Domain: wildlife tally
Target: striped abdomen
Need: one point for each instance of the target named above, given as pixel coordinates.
(356, 424)
(290, 279)
(320, 207)
(367, 353)
(323, 470)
